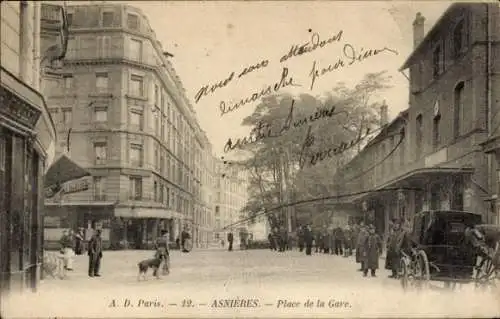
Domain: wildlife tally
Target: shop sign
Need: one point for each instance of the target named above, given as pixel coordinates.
(75, 187)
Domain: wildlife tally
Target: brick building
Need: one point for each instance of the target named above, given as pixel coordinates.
(27, 138)
(430, 156)
(124, 116)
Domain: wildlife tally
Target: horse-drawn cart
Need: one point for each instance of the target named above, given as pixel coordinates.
(452, 247)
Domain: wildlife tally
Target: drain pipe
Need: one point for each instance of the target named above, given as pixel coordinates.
(488, 98)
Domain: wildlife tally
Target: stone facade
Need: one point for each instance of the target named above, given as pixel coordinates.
(119, 103)
(430, 156)
(27, 137)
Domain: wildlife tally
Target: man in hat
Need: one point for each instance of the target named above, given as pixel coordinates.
(162, 252)
(372, 247)
(393, 249)
(360, 240)
(95, 254)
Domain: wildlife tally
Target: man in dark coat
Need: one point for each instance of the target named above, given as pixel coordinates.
(230, 239)
(372, 247)
(300, 238)
(393, 249)
(326, 240)
(79, 241)
(308, 239)
(338, 237)
(347, 241)
(95, 254)
(184, 237)
(283, 235)
(362, 234)
(272, 243)
(318, 240)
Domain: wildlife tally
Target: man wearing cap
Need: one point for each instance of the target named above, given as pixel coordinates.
(393, 249)
(372, 247)
(162, 252)
(95, 254)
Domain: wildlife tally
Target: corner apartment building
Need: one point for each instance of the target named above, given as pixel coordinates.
(27, 137)
(430, 156)
(124, 116)
(231, 196)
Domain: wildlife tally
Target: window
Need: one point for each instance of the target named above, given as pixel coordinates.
(418, 136)
(132, 21)
(155, 191)
(107, 19)
(67, 116)
(101, 114)
(136, 119)
(437, 61)
(136, 155)
(100, 152)
(103, 47)
(99, 188)
(458, 110)
(136, 50)
(69, 19)
(135, 188)
(458, 38)
(68, 81)
(435, 131)
(161, 193)
(101, 82)
(136, 85)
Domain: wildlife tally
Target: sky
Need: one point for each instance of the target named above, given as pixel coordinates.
(209, 40)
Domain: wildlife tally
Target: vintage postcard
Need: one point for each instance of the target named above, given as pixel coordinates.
(249, 159)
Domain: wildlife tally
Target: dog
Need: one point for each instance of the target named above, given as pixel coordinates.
(144, 265)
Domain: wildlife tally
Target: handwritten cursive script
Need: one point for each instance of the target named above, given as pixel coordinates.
(350, 57)
(315, 43)
(283, 82)
(317, 156)
(209, 89)
(264, 130)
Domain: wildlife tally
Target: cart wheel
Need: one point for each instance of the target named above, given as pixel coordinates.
(404, 275)
(485, 274)
(422, 272)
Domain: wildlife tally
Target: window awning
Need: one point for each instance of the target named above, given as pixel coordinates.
(63, 170)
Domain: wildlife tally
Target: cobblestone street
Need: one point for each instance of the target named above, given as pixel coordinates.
(203, 276)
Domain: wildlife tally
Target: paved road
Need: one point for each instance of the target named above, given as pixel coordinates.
(278, 283)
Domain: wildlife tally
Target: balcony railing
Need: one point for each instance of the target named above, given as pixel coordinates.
(99, 197)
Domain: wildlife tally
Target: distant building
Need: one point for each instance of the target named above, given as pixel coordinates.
(118, 102)
(429, 157)
(230, 198)
(27, 137)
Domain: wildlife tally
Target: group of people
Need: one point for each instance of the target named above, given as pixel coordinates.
(361, 238)
(73, 243)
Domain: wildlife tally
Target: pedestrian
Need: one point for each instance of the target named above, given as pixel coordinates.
(162, 252)
(283, 238)
(347, 241)
(230, 241)
(363, 233)
(393, 255)
(326, 240)
(354, 236)
(318, 240)
(95, 254)
(308, 239)
(270, 238)
(300, 238)
(185, 240)
(66, 242)
(371, 252)
(339, 238)
(79, 241)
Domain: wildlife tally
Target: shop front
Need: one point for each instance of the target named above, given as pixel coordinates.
(27, 138)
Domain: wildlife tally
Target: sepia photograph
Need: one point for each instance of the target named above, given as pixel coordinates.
(250, 159)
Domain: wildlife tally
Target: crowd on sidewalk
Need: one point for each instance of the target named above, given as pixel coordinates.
(358, 240)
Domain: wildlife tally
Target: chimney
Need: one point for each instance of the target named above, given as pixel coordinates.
(418, 29)
(384, 114)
